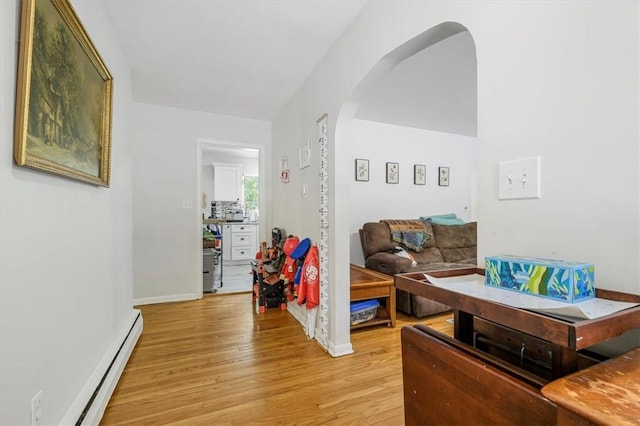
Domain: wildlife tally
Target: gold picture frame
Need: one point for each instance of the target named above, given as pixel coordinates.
(64, 96)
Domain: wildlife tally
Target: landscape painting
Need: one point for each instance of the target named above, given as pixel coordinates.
(64, 95)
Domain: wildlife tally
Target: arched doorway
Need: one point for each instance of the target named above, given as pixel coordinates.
(347, 132)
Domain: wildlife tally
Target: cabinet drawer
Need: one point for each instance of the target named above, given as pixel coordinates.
(243, 239)
(243, 228)
(241, 253)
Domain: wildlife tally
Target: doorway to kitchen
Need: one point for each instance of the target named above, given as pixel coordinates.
(231, 199)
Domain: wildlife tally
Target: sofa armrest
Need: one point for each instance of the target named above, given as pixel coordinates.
(388, 263)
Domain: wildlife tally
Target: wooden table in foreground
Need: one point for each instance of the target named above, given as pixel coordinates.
(605, 394)
(565, 338)
(369, 284)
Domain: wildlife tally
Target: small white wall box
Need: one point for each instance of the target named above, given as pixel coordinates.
(561, 280)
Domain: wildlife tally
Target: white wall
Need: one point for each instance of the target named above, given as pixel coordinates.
(374, 200)
(65, 251)
(207, 187)
(167, 239)
(555, 79)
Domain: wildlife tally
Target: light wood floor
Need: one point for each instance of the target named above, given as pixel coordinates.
(215, 362)
(236, 279)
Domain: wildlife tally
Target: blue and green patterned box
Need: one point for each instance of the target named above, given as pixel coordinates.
(561, 280)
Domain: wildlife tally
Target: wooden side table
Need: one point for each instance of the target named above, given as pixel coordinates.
(369, 284)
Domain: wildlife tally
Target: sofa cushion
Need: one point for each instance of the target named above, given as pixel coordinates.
(388, 263)
(457, 243)
(454, 236)
(460, 255)
(375, 237)
(428, 255)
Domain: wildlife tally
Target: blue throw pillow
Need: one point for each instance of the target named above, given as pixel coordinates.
(447, 221)
(443, 219)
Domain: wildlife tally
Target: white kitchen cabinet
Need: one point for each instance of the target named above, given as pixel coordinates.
(240, 241)
(227, 182)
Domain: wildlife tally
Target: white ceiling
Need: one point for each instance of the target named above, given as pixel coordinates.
(241, 58)
(248, 58)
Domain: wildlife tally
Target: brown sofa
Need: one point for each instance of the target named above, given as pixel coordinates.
(445, 247)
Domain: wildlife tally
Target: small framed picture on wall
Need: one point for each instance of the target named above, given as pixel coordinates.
(393, 172)
(304, 155)
(362, 170)
(419, 174)
(443, 176)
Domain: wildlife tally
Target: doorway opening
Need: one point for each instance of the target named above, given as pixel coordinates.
(421, 115)
(231, 199)
(347, 246)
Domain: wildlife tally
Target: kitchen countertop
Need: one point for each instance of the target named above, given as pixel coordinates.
(214, 221)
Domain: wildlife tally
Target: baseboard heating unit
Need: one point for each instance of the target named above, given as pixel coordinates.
(90, 404)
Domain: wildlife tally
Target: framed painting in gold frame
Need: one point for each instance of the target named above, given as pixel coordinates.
(64, 96)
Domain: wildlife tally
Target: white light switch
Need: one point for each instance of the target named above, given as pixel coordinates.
(519, 179)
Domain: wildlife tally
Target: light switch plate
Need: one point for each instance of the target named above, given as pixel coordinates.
(519, 179)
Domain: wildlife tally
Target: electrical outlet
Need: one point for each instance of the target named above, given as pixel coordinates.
(519, 179)
(187, 204)
(36, 409)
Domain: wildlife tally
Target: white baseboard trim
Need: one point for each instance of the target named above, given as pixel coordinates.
(165, 299)
(340, 350)
(88, 407)
(317, 333)
(297, 312)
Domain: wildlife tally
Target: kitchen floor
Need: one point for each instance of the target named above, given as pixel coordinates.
(236, 278)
